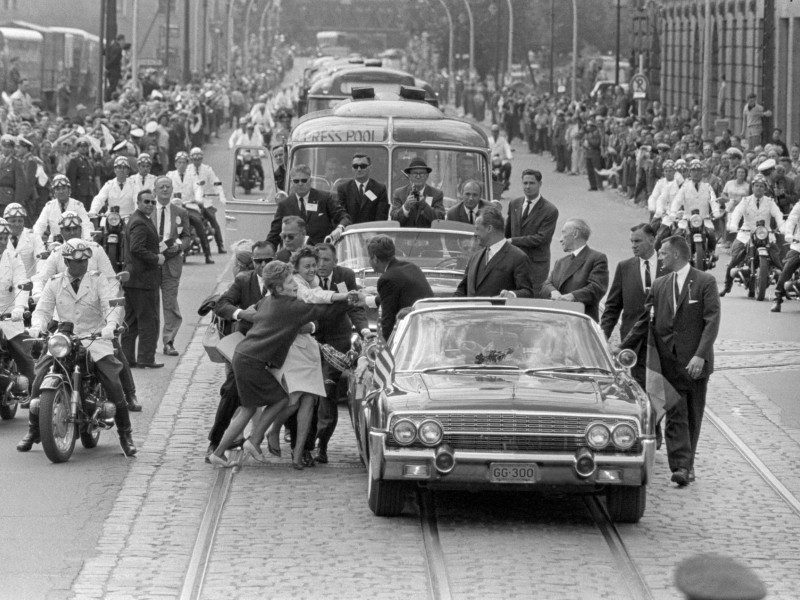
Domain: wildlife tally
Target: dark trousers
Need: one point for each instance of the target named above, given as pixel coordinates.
(228, 403)
(211, 216)
(20, 352)
(790, 265)
(739, 253)
(125, 375)
(328, 407)
(142, 321)
(561, 158)
(594, 162)
(683, 424)
(291, 426)
(200, 230)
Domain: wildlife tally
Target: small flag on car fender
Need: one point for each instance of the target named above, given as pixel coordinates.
(662, 395)
(384, 366)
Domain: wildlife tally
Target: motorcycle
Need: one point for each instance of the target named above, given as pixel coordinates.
(248, 176)
(110, 234)
(695, 229)
(195, 247)
(499, 181)
(72, 401)
(13, 385)
(759, 271)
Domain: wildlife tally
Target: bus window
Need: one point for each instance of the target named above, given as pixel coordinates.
(330, 165)
(450, 168)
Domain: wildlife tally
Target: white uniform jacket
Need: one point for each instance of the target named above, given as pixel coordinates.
(210, 184)
(55, 264)
(792, 228)
(12, 273)
(88, 309)
(668, 194)
(691, 198)
(51, 213)
(139, 183)
(112, 194)
(752, 211)
(29, 246)
(659, 189)
(187, 186)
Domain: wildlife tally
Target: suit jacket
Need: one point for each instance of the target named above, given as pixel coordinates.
(690, 332)
(338, 330)
(459, 212)
(535, 233)
(243, 292)
(362, 209)
(423, 213)
(319, 223)
(402, 284)
(179, 229)
(626, 296)
(509, 269)
(81, 176)
(141, 252)
(584, 276)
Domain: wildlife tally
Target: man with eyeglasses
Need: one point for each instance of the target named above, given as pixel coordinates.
(363, 198)
(238, 304)
(323, 215)
(417, 204)
(293, 237)
(143, 261)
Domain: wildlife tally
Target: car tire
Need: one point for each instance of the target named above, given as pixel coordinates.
(385, 498)
(626, 504)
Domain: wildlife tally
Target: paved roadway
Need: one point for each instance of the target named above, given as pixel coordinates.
(100, 526)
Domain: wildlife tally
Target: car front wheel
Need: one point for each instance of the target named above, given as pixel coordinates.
(626, 504)
(385, 498)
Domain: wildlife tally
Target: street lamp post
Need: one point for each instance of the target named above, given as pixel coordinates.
(510, 36)
(574, 48)
(246, 42)
(262, 31)
(471, 39)
(450, 66)
(230, 38)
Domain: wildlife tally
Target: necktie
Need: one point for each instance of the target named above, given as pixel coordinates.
(481, 265)
(264, 290)
(676, 291)
(758, 203)
(697, 185)
(143, 179)
(527, 210)
(76, 284)
(471, 217)
(324, 283)
(14, 240)
(181, 174)
(302, 204)
(361, 188)
(121, 185)
(161, 222)
(647, 281)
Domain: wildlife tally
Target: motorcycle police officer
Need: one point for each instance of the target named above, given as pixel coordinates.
(143, 179)
(53, 210)
(211, 188)
(27, 244)
(792, 261)
(15, 301)
(751, 209)
(70, 225)
(186, 188)
(697, 194)
(117, 191)
(82, 297)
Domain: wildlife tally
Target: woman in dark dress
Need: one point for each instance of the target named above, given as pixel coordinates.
(275, 325)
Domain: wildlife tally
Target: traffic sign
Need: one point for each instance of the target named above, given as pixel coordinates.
(639, 85)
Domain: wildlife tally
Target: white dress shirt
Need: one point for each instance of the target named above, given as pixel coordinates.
(790, 228)
(494, 249)
(578, 251)
(680, 276)
(167, 219)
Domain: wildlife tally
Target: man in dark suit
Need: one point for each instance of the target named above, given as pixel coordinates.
(238, 304)
(531, 224)
(323, 215)
(293, 236)
(399, 286)
(172, 224)
(686, 315)
(581, 275)
(466, 211)
(81, 174)
(500, 269)
(337, 332)
(632, 281)
(143, 262)
(417, 204)
(363, 198)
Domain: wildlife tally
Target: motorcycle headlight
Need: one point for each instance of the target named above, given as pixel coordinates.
(430, 433)
(58, 345)
(597, 436)
(114, 219)
(623, 436)
(762, 233)
(696, 220)
(404, 432)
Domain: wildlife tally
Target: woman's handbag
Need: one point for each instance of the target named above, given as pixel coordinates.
(211, 339)
(341, 361)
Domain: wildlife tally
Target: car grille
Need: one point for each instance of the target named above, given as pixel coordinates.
(504, 432)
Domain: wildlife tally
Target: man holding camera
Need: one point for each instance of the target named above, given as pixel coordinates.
(417, 204)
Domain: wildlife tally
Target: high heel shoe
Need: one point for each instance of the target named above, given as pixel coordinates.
(218, 461)
(274, 450)
(248, 449)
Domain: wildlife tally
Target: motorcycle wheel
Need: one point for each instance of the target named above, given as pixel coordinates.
(58, 433)
(762, 277)
(8, 411)
(699, 256)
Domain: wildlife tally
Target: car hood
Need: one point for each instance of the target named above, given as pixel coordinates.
(550, 392)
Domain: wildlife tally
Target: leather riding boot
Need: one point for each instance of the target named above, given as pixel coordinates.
(728, 283)
(126, 442)
(133, 403)
(776, 306)
(32, 437)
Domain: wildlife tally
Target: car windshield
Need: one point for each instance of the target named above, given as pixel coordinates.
(493, 338)
(431, 250)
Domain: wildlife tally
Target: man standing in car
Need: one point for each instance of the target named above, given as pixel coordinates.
(363, 198)
(471, 203)
(417, 204)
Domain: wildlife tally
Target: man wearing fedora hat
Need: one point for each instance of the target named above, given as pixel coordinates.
(417, 204)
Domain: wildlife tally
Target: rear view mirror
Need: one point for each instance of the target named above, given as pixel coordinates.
(123, 276)
(115, 302)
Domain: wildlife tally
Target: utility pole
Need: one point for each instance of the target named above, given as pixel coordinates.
(101, 83)
(552, 44)
(166, 49)
(616, 67)
(768, 70)
(187, 71)
(135, 44)
(706, 70)
(574, 49)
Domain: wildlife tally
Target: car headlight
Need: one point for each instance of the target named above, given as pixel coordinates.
(404, 432)
(430, 433)
(762, 232)
(597, 436)
(113, 219)
(58, 345)
(623, 436)
(696, 220)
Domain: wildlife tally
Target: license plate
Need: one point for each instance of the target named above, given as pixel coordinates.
(698, 237)
(763, 251)
(513, 473)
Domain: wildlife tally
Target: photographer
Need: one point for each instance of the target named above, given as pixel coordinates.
(417, 204)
